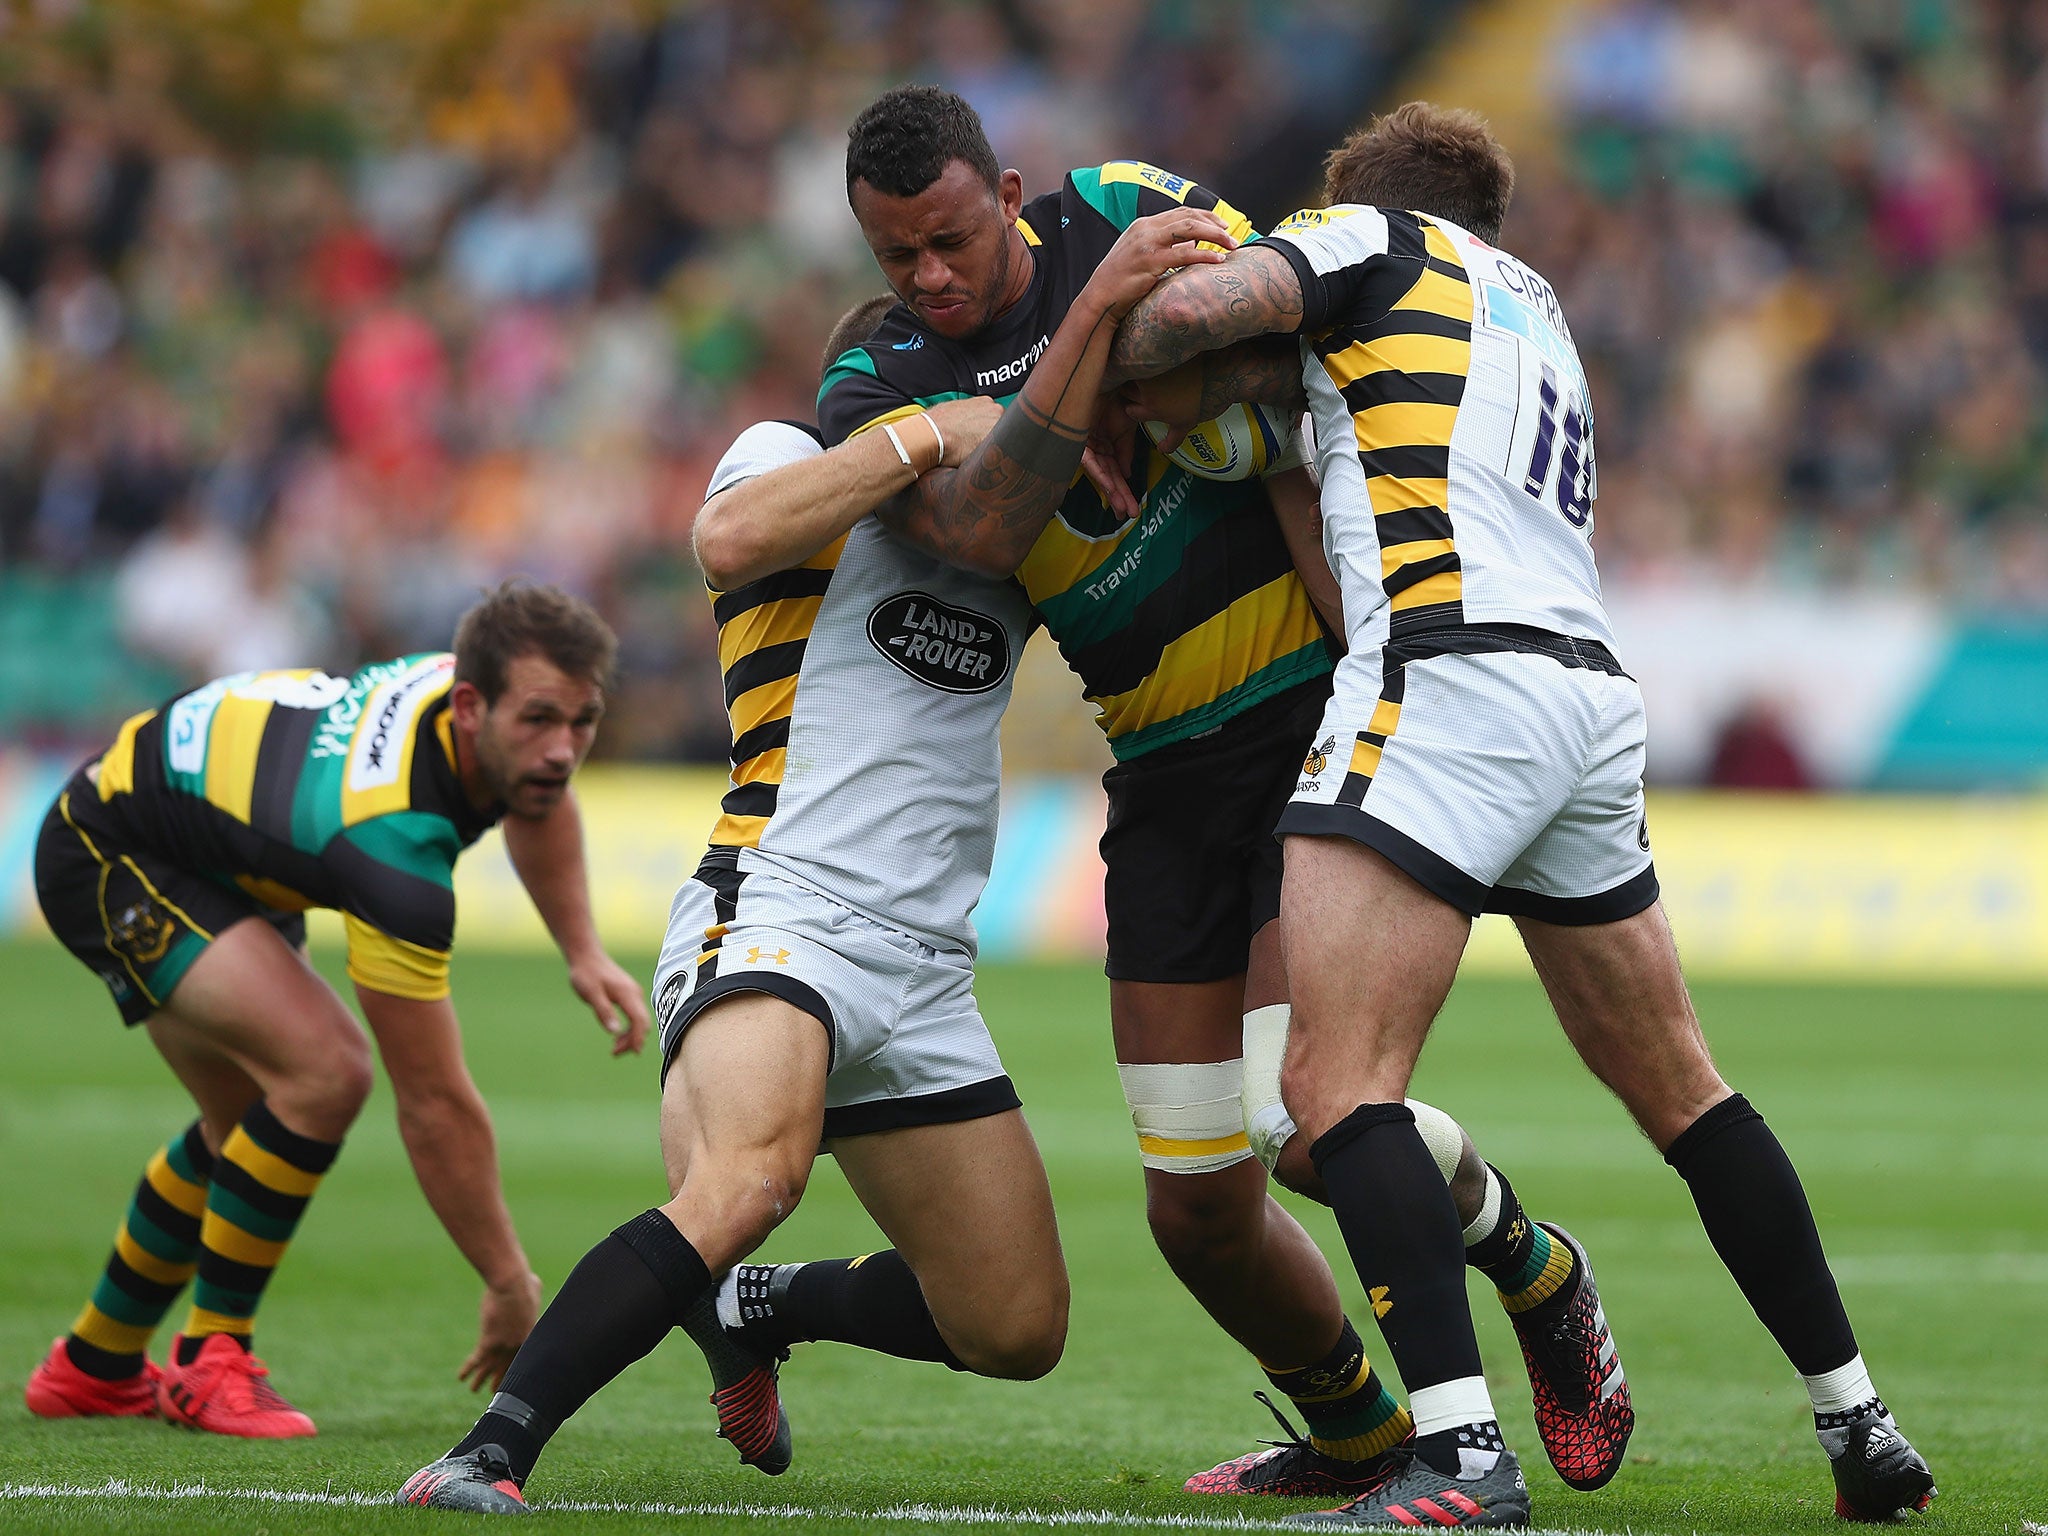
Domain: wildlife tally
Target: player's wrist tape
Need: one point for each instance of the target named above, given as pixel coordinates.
(903, 453)
(1189, 1115)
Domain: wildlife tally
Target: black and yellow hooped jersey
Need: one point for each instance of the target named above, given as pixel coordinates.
(1176, 621)
(1454, 428)
(306, 790)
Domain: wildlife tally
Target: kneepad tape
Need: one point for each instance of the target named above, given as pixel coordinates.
(1267, 1125)
(1189, 1116)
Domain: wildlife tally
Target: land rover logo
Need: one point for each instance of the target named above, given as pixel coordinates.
(952, 648)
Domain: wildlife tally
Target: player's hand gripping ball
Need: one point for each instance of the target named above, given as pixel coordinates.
(1244, 441)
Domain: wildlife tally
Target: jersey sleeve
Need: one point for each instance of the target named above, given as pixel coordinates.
(1124, 191)
(399, 912)
(855, 395)
(1344, 257)
(764, 446)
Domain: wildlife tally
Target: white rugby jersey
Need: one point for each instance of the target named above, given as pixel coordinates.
(865, 688)
(1454, 428)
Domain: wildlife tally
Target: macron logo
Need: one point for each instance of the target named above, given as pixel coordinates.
(1016, 368)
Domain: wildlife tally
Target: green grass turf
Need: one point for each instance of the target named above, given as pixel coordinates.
(1914, 1115)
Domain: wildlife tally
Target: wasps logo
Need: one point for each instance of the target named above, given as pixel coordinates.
(1319, 757)
(141, 932)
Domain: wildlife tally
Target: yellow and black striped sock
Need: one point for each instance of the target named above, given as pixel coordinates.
(265, 1175)
(1351, 1414)
(1524, 1263)
(155, 1254)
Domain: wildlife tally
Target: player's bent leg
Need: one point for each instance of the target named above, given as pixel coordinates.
(1371, 955)
(742, 1100)
(1236, 1249)
(1545, 1284)
(1621, 998)
(968, 1209)
(280, 1069)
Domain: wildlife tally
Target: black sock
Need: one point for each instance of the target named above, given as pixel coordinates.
(1402, 1228)
(873, 1301)
(619, 1301)
(1525, 1265)
(1756, 1215)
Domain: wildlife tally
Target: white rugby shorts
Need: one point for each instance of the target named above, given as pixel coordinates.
(909, 1046)
(1500, 769)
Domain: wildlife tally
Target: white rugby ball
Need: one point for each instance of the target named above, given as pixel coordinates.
(1244, 441)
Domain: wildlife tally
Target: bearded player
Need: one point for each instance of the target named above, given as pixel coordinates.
(178, 864)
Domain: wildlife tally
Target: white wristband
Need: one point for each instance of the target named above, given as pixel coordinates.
(936, 433)
(903, 453)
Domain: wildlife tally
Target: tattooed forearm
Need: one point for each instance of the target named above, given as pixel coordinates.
(986, 515)
(1265, 370)
(1202, 308)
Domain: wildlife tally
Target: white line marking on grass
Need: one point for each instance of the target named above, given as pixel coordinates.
(907, 1514)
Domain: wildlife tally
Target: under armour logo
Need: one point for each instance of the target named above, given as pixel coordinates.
(1381, 1305)
(756, 954)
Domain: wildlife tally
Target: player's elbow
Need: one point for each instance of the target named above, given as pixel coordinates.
(728, 550)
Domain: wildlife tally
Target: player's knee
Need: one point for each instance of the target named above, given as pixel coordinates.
(1203, 1222)
(1293, 1169)
(758, 1191)
(327, 1100)
(1026, 1341)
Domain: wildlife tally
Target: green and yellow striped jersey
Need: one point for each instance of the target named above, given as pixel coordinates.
(306, 790)
(1176, 621)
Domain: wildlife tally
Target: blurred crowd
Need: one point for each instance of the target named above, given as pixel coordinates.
(1804, 249)
(290, 386)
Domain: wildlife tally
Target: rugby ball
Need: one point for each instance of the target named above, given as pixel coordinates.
(1244, 441)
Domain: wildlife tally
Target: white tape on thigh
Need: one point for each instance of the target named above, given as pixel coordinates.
(1189, 1115)
(1267, 1125)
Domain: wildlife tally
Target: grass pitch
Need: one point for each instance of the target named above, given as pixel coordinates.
(1915, 1116)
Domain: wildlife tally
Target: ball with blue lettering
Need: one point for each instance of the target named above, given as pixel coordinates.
(1244, 441)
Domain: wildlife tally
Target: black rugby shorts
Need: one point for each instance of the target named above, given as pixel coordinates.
(1192, 869)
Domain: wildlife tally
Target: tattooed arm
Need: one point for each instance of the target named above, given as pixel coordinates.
(986, 515)
(1265, 371)
(1198, 309)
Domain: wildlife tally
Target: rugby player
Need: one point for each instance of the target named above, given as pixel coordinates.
(1488, 757)
(817, 981)
(178, 864)
(1197, 641)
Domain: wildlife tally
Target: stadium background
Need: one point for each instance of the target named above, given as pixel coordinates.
(315, 319)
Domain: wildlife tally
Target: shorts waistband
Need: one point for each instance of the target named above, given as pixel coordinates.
(1486, 639)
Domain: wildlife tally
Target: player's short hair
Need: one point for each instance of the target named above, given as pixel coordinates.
(855, 327)
(1442, 161)
(525, 618)
(906, 138)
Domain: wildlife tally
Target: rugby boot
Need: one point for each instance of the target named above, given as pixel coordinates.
(743, 1389)
(1878, 1474)
(57, 1389)
(1295, 1469)
(1416, 1494)
(226, 1390)
(1582, 1406)
(479, 1482)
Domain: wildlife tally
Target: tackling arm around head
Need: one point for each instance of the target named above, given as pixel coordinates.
(1255, 292)
(779, 519)
(986, 515)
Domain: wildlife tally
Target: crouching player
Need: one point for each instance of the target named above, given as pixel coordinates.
(817, 983)
(178, 865)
